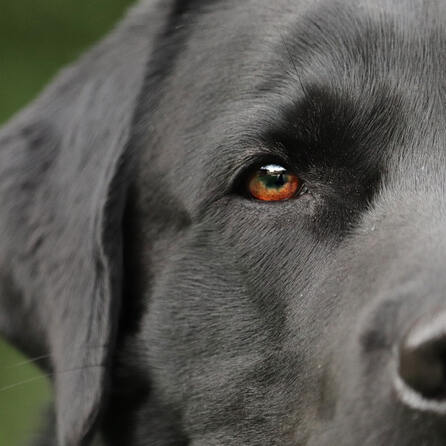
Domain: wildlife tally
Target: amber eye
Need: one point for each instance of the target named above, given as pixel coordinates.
(273, 183)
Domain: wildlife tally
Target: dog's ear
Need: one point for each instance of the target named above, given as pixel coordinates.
(64, 166)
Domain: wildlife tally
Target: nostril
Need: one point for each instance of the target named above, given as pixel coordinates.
(423, 366)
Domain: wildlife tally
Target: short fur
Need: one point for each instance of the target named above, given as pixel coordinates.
(176, 310)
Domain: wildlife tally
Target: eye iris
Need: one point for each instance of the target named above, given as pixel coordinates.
(273, 183)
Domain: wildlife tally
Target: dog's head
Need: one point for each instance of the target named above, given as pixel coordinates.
(225, 225)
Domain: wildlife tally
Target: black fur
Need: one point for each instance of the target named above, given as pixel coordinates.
(175, 309)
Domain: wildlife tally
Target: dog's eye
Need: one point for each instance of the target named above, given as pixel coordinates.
(273, 183)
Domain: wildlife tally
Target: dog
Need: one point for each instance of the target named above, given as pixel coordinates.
(224, 225)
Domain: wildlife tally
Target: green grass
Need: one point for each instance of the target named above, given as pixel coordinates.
(38, 37)
(23, 391)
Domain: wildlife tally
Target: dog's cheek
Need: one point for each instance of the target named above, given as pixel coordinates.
(218, 339)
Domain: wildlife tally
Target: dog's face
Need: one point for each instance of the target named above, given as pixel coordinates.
(316, 317)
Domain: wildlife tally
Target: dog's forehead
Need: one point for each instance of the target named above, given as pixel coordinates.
(234, 46)
(242, 64)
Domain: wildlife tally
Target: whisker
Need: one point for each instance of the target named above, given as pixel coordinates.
(47, 375)
(24, 362)
(20, 383)
(41, 357)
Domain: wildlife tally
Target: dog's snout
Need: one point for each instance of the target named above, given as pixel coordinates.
(422, 364)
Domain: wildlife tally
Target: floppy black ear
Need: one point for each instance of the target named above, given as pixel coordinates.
(63, 176)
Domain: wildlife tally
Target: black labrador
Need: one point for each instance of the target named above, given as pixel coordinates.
(225, 226)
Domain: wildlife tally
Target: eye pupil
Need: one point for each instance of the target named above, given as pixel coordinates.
(273, 183)
(272, 179)
(280, 181)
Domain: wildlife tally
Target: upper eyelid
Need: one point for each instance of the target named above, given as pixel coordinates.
(263, 153)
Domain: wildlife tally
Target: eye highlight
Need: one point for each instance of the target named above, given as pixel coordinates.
(273, 182)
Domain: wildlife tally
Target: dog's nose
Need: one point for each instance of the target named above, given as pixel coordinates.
(422, 361)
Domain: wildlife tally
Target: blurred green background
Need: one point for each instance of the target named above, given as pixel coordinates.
(37, 37)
